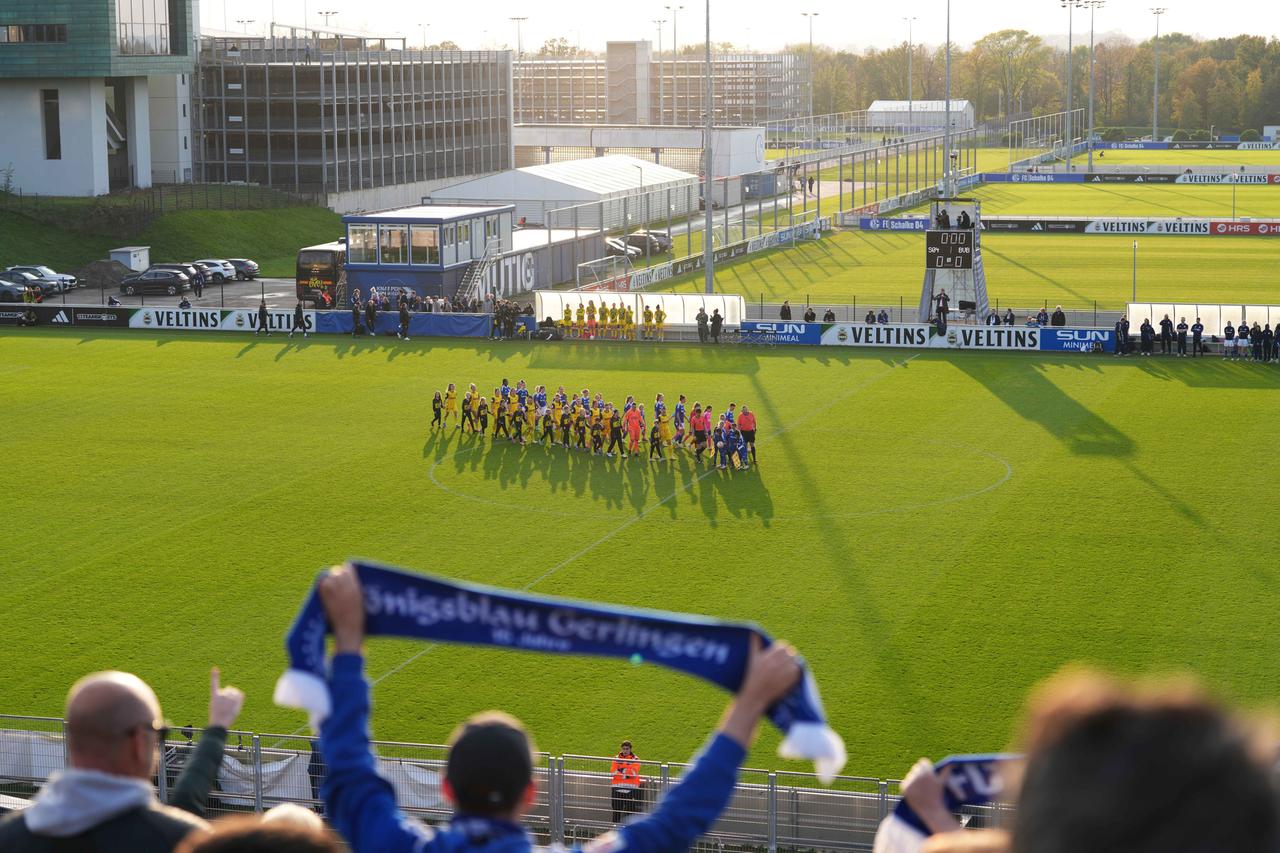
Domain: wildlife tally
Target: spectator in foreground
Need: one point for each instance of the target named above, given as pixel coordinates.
(253, 835)
(1120, 768)
(104, 799)
(1059, 317)
(489, 774)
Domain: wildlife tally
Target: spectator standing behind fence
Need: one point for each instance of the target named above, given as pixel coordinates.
(489, 772)
(1059, 317)
(624, 783)
(1042, 317)
(810, 315)
(830, 316)
(1009, 319)
(883, 317)
(784, 313)
(870, 319)
(104, 799)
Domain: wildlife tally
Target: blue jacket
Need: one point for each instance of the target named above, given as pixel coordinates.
(362, 805)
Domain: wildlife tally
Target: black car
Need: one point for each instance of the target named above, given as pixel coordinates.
(246, 270)
(649, 242)
(26, 279)
(186, 269)
(165, 281)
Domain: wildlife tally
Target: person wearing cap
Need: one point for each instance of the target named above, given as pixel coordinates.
(624, 783)
(489, 772)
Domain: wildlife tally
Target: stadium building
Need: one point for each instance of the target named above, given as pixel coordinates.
(362, 121)
(631, 85)
(94, 93)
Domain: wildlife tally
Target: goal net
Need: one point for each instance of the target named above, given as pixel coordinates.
(611, 272)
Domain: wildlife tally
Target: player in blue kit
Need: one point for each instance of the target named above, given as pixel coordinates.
(678, 418)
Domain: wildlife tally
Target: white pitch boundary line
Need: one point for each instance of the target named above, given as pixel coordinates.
(645, 513)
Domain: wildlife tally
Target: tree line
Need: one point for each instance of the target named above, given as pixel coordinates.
(1232, 84)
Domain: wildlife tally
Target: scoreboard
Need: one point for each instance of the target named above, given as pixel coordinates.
(948, 250)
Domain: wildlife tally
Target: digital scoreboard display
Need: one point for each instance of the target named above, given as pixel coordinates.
(948, 250)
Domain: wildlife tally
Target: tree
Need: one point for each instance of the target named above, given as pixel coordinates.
(560, 47)
(1019, 58)
(1191, 89)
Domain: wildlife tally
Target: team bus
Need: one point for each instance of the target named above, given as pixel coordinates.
(322, 274)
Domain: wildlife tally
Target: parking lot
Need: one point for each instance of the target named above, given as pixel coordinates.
(278, 292)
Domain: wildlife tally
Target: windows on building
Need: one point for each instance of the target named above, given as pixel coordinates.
(33, 34)
(362, 244)
(426, 244)
(52, 124)
(395, 243)
(144, 27)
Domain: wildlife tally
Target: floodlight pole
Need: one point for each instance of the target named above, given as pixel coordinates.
(1093, 6)
(675, 59)
(662, 100)
(911, 55)
(1135, 271)
(1071, 5)
(708, 251)
(519, 54)
(1155, 97)
(811, 16)
(946, 163)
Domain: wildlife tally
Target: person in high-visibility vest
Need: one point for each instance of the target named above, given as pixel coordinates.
(625, 783)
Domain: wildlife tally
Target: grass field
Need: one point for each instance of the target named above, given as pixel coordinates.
(936, 533)
(1023, 270)
(1156, 200)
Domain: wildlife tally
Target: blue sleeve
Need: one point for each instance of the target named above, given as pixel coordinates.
(691, 807)
(358, 802)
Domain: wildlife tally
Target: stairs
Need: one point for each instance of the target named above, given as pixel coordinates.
(474, 278)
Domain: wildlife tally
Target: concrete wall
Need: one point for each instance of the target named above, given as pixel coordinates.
(82, 110)
(171, 146)
(138, 129)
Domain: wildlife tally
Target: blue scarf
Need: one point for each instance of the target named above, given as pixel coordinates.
(972, 780)
(402, 604)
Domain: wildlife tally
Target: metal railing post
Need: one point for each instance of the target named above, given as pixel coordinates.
(883, 800)
(66, 758)
(257, 774)
(665, 777)
(773, 813)
(162, 781)
(557, 800)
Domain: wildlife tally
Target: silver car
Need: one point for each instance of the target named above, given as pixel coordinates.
(223, 270)
(61, 281)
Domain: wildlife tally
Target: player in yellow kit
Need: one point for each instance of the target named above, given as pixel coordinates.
(580, 323)
(566, 325)
(450, 406)
(647, 333)
(659, 320)
(629, 326)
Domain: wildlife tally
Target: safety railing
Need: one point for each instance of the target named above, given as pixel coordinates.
(576, 799)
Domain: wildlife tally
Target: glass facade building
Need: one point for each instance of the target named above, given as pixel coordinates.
(145, 27)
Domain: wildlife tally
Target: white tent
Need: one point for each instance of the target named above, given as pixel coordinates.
(910, 116)
(609, 187)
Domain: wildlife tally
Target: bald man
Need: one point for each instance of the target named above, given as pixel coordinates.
(104, 800)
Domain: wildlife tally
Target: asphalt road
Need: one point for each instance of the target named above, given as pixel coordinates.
(278, 292)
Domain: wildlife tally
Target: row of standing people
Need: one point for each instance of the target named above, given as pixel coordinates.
(590, 423)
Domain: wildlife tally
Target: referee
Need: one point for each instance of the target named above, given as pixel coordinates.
(747, 426)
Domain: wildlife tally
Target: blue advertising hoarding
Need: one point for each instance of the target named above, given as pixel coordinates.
(785, 331)
(1061, 339)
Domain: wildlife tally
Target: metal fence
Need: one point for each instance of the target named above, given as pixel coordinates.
(770, 810)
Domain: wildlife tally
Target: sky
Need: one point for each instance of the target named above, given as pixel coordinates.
(756, 24)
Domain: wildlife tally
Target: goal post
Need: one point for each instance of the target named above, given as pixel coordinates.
(612, 272)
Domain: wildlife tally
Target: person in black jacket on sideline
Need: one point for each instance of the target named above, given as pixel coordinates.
(371, 313)
(1197, 330)
(1182, 328)
(356, 306)
(1166, 335)
(264, 320)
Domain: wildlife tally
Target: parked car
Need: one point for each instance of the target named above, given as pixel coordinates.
(209, 270)
(222, 270)
(65, 282)
(186, 269)
(165, 281)
(649, 242)
(614, 246)
(27, 280)
(10, 292)
(715, 204)
(245, 268)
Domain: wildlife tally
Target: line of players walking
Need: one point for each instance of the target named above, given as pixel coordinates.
(1251, 343)
(589, 423)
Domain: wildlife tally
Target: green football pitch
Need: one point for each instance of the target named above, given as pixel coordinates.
(936, 532)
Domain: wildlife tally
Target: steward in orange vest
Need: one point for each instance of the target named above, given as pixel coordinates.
(624, 783)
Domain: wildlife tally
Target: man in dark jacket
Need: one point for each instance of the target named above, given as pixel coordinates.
(104, 799)
(1121, 341)
(702, 319)
(264, 320)
(784, 313)
(1059, 317)
(1182, 337)
(1147, 337)
(1197, 329)
(403, 334)
(356, 306)
(1166, 336)
(716, 322)
(371, 313)
(299, 321)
